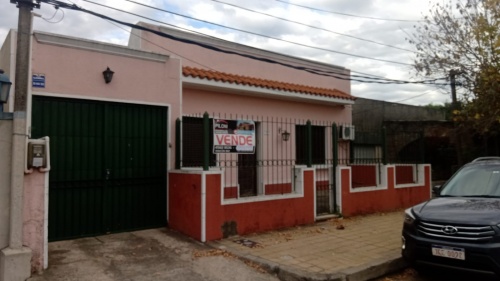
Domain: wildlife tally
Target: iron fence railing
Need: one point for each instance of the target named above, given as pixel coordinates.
(259, 155)
(279, 145)
(371, 149)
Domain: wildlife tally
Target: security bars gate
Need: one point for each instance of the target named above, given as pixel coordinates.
(108, 165)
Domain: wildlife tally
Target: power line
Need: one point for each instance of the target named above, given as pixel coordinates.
(51, 19)
(217, 49)
(371, 76)
(160, 46)
(377, 107)
(416, 96)
(253, 33)
(311, 26)
(353, 71)
(348, 15)
(206, 66)
(314, 71)
(209, 67)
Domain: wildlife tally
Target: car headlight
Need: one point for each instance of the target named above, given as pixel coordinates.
(409, 217)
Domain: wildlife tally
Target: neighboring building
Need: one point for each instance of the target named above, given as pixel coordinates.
(413, 134)
(370, 115)
(133, 152)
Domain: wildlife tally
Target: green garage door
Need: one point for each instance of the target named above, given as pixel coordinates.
(108, 165)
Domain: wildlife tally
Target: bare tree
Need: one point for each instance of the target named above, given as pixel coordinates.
(462, 37)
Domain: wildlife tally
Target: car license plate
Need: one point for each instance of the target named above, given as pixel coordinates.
(448, 252)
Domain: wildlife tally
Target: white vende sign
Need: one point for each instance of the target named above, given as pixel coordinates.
(234, 136)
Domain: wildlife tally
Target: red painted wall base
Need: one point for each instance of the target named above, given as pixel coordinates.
(356, 201)
(197, 207)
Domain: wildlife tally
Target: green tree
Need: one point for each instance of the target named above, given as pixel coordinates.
(464, 36)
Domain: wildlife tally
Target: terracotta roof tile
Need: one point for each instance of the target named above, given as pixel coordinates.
(263, 83)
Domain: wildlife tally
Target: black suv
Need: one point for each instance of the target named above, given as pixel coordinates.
(460, 228)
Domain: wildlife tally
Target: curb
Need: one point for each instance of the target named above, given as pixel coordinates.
(375, 269)
(286, 273)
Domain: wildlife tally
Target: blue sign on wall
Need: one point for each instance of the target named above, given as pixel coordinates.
(38, 81)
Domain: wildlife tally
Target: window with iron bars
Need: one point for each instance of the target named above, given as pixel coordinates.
(192, 142)
(318, 144)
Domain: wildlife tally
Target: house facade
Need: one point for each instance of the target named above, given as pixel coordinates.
(209, 137)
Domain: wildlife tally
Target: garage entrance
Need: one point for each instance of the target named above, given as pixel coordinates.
(108, 165)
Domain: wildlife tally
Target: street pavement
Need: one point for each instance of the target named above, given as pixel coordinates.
(357, 248)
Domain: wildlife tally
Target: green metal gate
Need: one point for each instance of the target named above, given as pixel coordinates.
(108, 165)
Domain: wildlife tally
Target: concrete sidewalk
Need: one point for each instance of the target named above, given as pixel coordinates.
(358, 248)
(147, 255)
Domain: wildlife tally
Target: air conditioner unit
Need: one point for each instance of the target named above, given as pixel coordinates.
(347, 132)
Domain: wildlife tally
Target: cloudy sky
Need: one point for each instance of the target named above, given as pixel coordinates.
(373, 29)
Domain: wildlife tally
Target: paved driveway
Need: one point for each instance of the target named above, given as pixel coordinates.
(155, 254)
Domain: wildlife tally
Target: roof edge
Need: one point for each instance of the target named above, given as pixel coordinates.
(97, 46)
(241, 47)
(240, 89)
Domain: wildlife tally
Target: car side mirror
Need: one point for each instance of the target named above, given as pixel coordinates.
(436, 189)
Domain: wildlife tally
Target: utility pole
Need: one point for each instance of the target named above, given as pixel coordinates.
(15, 261)
(454, 104)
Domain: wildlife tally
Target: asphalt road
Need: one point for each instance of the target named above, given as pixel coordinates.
(411, 274)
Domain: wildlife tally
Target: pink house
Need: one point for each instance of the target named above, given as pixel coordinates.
(209, 137)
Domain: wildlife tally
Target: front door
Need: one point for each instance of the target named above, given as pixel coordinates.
(247, 170)
(247, 174)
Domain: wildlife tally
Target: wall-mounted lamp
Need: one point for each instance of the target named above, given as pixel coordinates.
(108, 75)
(4, 92)
(285, 135)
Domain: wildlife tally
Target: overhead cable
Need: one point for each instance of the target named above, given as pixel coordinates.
(311, 26)
(217, 49)
(349, 15)
(248, 32)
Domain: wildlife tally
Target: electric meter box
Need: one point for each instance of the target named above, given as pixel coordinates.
(37, 155)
